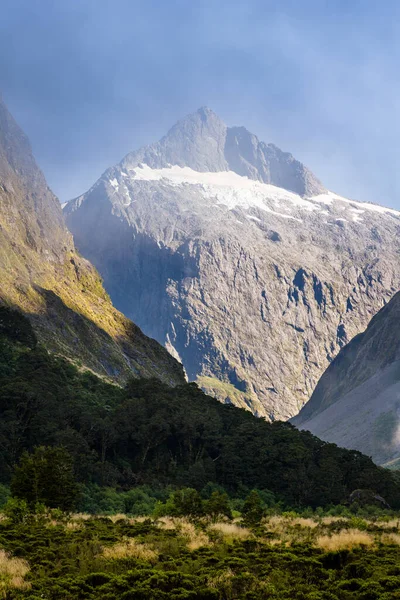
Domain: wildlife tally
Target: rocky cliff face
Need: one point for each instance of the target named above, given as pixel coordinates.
(232, 254)
(356, 403)
(61, 292)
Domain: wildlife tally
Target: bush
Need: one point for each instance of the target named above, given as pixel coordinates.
(16, 510)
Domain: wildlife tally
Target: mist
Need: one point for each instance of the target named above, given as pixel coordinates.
(90, 81)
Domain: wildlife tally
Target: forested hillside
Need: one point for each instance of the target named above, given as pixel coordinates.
(149, 433)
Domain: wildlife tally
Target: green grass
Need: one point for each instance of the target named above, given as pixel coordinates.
(225, 391)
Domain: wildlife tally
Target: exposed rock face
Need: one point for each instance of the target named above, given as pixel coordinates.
(61, 292)
(356, 403)
(204, 143)
(232, 254)
(28, 208)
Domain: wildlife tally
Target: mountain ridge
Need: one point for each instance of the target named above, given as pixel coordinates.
(43, 276)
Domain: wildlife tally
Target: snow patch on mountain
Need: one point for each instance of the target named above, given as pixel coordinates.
(229, 189)
(330, 198)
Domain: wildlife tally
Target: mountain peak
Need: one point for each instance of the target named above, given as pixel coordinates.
(205, 112)
(201, 123)
(204, 143)
(196, 141)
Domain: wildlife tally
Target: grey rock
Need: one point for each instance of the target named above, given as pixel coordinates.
(356, 403)
(203, 142)
(254, 288)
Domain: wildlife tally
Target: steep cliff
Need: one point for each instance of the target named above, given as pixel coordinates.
(61, 292)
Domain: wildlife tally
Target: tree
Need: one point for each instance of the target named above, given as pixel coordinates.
(15, 326)
(46, 476)
(252, 510)
(186, 502)
(218, 506)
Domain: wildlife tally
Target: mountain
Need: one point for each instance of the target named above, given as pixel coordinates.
(42, 274)
(356, 403)
(233, 255)
(204, 143)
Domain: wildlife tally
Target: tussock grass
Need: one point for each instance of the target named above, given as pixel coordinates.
(390, 538)
(280, 523)
(80, 517)
(130, 548)
(346, 539)
(138, 519)
(195, 537)
(167, 523)
(74, 525)
(330, 520)
(231, 531)
(276, 523)
(117, 517)
(392, 524)
(303, 522)
(12, 574)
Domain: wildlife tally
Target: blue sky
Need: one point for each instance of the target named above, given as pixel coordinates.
(90, 80)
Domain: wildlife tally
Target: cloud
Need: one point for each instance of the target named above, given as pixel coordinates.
(90, 81)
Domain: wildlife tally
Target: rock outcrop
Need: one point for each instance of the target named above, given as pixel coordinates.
(233, 255)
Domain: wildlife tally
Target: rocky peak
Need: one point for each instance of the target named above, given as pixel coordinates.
(197, 141)
(202, 142)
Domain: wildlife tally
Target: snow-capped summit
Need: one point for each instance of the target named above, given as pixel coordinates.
(234, 255)
(203, 142)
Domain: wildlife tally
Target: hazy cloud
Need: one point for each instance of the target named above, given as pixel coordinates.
(90, 80)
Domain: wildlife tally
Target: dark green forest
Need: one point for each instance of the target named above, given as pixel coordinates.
(149, 434)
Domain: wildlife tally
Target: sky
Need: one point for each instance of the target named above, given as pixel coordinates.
(91, 80)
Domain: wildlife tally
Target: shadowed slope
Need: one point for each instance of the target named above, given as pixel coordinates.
(356, 403)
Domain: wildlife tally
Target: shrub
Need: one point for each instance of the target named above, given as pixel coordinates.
(186, 502)
(16, 510)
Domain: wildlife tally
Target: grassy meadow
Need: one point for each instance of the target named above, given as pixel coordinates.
(55, 556)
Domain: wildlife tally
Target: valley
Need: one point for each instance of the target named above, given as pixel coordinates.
(120, 476)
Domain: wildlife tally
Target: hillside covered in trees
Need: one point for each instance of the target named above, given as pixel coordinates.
(149, 433)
